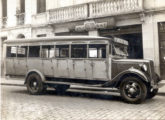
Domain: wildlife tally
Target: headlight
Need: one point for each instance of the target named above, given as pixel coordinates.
(144, 67)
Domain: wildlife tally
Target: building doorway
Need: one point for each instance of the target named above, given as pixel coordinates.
(133, 34)
(161, 27)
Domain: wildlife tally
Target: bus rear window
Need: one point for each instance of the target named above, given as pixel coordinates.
(34, 51)
(11, 51)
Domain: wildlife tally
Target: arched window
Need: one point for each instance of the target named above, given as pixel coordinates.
(21, 36)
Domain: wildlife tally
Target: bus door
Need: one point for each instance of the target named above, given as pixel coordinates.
(47, 55)
(61, 62)
(78, 59)
(10, 58)
(97, 56)
(34, 61)
(21, 61)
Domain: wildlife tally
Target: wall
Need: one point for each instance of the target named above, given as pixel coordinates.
(152, 4)
(11, 12)
(151, 39)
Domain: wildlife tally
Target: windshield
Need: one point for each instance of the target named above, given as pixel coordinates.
(120, 50)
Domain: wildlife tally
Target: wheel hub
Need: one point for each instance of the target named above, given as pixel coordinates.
(132, 90)
(34, 84)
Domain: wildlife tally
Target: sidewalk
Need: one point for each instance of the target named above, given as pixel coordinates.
(12, 81)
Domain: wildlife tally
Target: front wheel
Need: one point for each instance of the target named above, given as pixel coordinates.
(35, 85)
(133, 90)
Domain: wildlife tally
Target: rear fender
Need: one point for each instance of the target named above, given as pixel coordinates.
(34, 71)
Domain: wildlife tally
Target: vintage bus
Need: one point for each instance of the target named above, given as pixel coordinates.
(81, 60)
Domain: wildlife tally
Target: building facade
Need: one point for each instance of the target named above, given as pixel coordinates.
(141, 22)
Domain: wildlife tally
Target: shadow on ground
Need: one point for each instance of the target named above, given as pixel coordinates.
(75, 94)
(85, 95)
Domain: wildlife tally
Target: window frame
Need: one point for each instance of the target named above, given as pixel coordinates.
(33, 46)
(69, 55)
(48, 57)
(106, 50)
(10, 51)
(81, 57)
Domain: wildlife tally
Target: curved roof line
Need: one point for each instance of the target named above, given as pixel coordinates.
(56, 38)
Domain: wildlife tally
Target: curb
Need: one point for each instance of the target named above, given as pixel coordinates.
(9, 84)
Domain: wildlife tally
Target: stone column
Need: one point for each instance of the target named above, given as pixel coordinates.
(18, 5)
(150, 41)
(0, 13)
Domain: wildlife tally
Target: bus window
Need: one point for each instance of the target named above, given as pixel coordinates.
(47, 51)
(11, 51)
(34, 51)
(97, 51)
(62, 51)
(22, 51)
(79, 51)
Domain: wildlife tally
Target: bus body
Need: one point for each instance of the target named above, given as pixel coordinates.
(84, 60)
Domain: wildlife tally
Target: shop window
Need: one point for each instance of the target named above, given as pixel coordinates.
(11, 51)
(47, 51)
(34, 51)
(79, 51)
(97, 51)
(41, 6)
(62, 51)
(22, 51)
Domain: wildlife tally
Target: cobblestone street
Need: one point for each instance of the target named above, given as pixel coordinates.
(17, 104)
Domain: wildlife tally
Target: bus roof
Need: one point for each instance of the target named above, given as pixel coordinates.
(56, 38)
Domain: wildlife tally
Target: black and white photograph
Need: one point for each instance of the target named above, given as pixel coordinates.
(82, 59)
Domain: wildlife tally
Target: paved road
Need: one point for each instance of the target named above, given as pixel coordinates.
(17, 104)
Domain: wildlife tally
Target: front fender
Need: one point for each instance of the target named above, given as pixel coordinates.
(34, 71)
(131, 71)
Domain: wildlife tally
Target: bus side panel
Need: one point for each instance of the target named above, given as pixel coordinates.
(100, 69)
(10, 70)
(48, 67)
(71, 69)
(35, 63)
(62, 68)
(54, 65)
(89, 70)
(79, 68)
(20, 66)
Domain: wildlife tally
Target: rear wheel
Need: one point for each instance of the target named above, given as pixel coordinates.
(133, 90)
(35, 85)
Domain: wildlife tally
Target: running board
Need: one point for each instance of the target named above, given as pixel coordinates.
(114, 93)
(87, 87)
(71, 83)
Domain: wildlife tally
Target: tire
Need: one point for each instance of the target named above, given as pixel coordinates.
(35, 85)
(151, 93)
(61, 89)
(133, 90)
